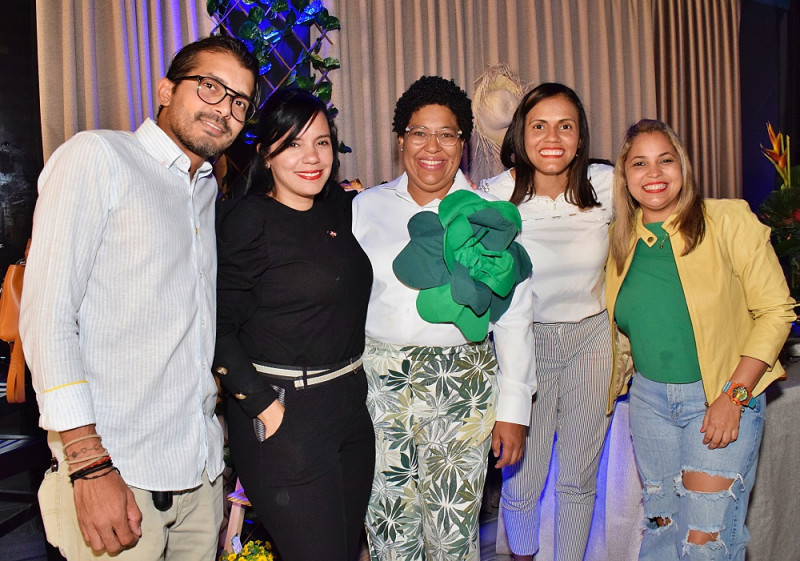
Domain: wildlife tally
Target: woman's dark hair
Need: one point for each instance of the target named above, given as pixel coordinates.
(284, 116)
(433, 90)
(513, 154)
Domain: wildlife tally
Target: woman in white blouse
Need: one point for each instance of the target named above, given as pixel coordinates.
(566, 209)
(433, 391)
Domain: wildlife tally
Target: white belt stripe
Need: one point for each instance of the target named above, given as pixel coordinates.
(313, 377)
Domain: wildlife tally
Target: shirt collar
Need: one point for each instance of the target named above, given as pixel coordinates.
(401, 188)
(164, 150)
(670, 226)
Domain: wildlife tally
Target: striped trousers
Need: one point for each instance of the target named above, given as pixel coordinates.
(433, 409)
(573, 368)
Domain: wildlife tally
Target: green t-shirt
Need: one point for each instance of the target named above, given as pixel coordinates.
(651, 310)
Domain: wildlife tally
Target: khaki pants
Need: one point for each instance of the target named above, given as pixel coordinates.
(191, 525)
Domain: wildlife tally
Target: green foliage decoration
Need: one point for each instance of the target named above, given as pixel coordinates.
(287, 37)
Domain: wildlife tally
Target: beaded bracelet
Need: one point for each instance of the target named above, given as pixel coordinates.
(80, 439)
(93, 459)
(73, 457)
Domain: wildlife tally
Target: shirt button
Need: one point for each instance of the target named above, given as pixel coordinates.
(240, 396)
(221, 370)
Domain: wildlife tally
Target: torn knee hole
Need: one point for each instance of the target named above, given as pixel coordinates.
(656, 522)
(700, 538)
(701, 482)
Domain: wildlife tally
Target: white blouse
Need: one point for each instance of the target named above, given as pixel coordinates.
(380, 224)
(568, 247)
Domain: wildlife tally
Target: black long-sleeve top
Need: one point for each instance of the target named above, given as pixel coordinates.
(292, 289)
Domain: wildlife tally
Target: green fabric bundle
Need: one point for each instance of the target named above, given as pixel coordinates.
(464, 261)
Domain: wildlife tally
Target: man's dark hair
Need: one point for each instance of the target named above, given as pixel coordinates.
(433, 90)
(185, 60)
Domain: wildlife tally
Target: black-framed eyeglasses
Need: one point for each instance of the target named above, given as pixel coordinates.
(421, 135)
(213, 92)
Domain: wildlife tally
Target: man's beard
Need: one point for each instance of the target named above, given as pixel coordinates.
(204, 146)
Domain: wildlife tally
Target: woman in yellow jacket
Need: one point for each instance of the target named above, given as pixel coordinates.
(699, 309)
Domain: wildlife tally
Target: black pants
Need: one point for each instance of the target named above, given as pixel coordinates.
(310, 482)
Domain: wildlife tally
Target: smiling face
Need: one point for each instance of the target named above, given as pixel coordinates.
(552, 137)
(431, 167)
(302, 169)
(202, 130)
(654, 176)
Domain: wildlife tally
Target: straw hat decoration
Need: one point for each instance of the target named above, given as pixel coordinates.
(497, 93)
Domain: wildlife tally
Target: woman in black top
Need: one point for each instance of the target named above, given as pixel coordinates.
(293, 287)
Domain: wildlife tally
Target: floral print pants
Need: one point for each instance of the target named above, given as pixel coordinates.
(433, 409)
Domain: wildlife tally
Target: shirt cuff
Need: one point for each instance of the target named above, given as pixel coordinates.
(66, 407)
(514, 402)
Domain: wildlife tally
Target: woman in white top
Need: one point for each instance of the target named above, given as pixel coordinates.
(439, 395)
(565, 204)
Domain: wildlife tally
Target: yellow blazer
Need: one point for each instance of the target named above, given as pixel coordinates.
(735, 291)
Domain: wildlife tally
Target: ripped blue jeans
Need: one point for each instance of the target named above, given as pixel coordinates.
(665, 424)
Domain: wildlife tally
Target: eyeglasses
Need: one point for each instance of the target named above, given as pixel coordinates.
(421, 135)
(213, 92)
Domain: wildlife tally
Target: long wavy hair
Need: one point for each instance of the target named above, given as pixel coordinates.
(284, 116)
(690, 211)
(513, 154)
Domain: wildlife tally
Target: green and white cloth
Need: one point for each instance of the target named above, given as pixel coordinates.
(433, 409)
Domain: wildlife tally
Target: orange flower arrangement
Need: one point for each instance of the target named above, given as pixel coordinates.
(781, 209)
(779, 155)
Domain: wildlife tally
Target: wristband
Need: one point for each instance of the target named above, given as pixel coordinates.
(82, 473)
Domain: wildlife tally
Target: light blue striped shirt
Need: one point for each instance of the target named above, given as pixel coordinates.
(118, 314)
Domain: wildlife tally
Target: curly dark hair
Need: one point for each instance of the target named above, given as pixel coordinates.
(433, 90)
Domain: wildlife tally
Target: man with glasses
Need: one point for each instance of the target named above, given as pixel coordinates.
(118, 319)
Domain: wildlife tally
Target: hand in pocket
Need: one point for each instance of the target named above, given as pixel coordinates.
(271, 419)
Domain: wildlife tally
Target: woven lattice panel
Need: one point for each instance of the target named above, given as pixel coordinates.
(286, 36)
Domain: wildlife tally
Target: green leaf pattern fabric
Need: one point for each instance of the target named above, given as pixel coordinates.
(433, 410)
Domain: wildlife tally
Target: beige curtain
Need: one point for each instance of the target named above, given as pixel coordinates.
(672, 59)
(99, 60)
(614, 53)
(697, 65)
